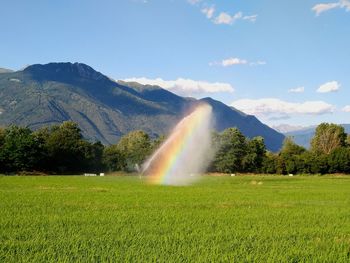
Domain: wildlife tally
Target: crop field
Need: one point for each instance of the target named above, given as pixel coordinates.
(219, 219)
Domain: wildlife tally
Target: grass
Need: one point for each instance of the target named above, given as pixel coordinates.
(219, 219)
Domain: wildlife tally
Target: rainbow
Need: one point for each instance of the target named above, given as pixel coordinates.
(181, 155)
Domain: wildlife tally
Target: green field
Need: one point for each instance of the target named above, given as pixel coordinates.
(219, 219)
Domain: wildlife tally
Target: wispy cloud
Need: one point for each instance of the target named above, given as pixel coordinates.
(323, 7)
(236, 61)
(193, 2)
(233, 61)
(225, 18)
(208, 11)
(141, 1)
(346, 108)
(273, 108)
(345, 4)
(185, 87)
(251, 18)
(258, 63)
(320, 8)
(331, 86)
(297, 90)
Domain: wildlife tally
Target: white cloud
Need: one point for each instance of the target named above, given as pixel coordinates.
(251, 18)
(345, 4)
(185, 87)
(331, 86)
(297, 90)
(346, 108)
(208, 11)
(233, 61)
(320, 8)
(236, 61)
(273, 108)
(225, 18)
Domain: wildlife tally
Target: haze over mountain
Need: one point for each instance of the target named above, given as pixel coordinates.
(283, 128)
(41, 95)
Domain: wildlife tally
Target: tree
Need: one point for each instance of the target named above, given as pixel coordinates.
(2, 140)
(348, 140)
(157, 142)
(339, 160)
(136, 147)
(231, 149)
(328, 137)
(314, 163)
(93, 153)
(270, 163)
(290, 161)
(19, 149)
(113, 159)
(256, 151)
(289, 147)
(66, 149)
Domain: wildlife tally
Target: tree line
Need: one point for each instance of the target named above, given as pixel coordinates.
(61, 149)
(329, 153)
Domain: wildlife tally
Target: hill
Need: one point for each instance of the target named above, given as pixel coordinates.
(5, 70)
(303, 137)
(105, 109)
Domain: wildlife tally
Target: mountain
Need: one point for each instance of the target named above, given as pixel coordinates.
(303, 137)
(105, 110)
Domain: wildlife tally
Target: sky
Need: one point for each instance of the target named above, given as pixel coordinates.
(286, 62)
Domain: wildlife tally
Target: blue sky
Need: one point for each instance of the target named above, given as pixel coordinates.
(283, 61)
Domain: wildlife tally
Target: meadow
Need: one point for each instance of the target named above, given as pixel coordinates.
(219, 219)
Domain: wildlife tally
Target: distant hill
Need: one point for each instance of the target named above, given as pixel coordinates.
(303, 137)
(5, 70)
(284, 128)
(105, 110)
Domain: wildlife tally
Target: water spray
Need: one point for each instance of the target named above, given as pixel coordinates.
(186, 153)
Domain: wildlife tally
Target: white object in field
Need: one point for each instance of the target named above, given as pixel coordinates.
(291, 175)
(233, 174)
(102, 174)
(90, 174)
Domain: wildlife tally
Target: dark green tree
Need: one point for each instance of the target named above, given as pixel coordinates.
(314, 163)
(19, 150)
(290, 161)
(231, 149)
(339, 160)
(93, 154)
(136, 147)
(113, 159)
(2, 140)
(270, 163)
(66, 149)
(256, 151)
